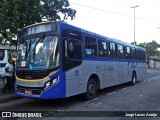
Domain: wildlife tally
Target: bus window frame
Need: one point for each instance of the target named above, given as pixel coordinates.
(102, 40)
(135, 53)
(126, 53)
(96, 41)
(115, 56)
(120, 45)
(67, 63)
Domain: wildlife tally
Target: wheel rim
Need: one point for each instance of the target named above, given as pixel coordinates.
(91, 89)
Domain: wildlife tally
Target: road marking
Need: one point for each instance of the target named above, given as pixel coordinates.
(124, 88)
(153, 78)
(135, 85)
(92, 100)
(156, 77)
(97, 104)
(149, 80)
(111, 93)
(142, 82)
(62, 110)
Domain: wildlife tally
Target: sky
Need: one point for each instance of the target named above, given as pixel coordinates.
(115, 18)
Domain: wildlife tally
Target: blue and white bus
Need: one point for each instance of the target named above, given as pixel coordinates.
(57, 60)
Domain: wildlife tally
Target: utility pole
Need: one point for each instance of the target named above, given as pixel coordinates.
(134, 23)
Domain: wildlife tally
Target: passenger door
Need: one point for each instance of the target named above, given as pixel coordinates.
(71, 60)
(103, 53)
(113, 66)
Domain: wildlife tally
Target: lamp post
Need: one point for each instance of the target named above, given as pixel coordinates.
(134, 23)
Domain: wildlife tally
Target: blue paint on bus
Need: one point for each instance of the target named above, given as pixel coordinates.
(70, 81)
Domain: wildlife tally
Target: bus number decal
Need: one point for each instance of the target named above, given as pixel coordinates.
(131, 66)
(76, 72)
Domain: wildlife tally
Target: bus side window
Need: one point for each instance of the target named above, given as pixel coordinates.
(65, 48)
(72, 53)
(70, 47)
(143, 55)
(74, 50)
(128, 53)
(71, 50)
(90, 46)
(120, 51)
(65, 53)
(133, 53)
(103, 48)
(112, 50)
(139, 55)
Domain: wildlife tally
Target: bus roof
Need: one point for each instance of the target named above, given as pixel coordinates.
(103, 37)
(88, 32)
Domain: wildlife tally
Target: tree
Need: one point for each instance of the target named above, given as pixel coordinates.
(151, 48)
(134, 43)
(15, 14)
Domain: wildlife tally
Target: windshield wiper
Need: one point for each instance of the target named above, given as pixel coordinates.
(41, 38)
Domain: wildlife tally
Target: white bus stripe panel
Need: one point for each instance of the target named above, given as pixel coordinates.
(108, 77)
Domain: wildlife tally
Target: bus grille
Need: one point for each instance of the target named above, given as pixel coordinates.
(31, 75)
(35, 91)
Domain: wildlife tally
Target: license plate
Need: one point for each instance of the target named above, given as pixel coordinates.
(28, 92)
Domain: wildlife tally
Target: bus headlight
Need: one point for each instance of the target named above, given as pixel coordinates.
(51, 82)
(47, 84)
(55, 80)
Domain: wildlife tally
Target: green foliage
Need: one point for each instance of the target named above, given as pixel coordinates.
(134, 43)
(15, 14)
(151, 48)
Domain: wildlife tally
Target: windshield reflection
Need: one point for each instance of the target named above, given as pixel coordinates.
(39, 53)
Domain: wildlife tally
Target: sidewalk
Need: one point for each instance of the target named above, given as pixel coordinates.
(4, 97)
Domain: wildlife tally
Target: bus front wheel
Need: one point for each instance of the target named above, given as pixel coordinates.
(91, 89)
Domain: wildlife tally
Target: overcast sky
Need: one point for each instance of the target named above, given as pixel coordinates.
(114, 18)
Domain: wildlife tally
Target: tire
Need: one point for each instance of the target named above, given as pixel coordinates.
(134, 78)
(91, 89)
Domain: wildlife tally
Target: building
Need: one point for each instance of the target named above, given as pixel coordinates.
(154, 62)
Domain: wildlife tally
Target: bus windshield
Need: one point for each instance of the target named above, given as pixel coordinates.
(38, 53)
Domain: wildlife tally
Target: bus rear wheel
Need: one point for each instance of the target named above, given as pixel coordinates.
(134, 78)
(91, 89)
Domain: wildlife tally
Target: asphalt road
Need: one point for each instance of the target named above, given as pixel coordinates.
(124, 99)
